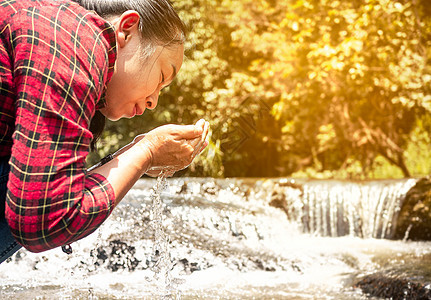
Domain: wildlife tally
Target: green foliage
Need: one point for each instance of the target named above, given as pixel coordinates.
(306, 87)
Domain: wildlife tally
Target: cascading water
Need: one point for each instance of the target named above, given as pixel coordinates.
(337, 208)
(232, 239)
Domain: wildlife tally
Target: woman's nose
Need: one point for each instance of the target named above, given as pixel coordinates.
(151, 102)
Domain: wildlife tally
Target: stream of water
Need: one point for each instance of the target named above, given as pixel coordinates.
(223, 240)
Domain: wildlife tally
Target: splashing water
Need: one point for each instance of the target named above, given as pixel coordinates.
(234, 239)
(166, 285)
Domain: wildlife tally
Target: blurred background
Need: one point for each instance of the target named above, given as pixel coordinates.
(301, 88)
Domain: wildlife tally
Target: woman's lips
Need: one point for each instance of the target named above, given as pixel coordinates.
(138, 110)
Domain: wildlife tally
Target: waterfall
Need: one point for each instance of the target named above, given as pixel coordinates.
(366, 209)
(235, 239)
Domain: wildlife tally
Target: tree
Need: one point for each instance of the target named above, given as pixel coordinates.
(296, 84)
(351, 77)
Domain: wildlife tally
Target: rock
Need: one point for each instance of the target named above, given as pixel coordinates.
(118, 256)
(210, 188)
(388, 287)
(284, 194)
(189, 267)
(414, 221)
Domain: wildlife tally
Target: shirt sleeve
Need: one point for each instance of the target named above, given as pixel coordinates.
(62, 59)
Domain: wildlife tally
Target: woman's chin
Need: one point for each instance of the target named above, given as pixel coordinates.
(114, 117)
(109, 115)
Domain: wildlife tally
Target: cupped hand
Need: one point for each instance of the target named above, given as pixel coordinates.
(173, 147)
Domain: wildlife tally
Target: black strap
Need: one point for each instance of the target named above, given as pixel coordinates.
(4, 175)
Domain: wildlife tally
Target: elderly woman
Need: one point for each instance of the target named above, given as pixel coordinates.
(65, 67)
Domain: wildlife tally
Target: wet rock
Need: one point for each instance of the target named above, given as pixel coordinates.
(182, 188)
(120, 256)
(278, 200)
(414, 221)
(284, 194)
(262, 265)
(189, 267)
(379, 285)
(210, 188)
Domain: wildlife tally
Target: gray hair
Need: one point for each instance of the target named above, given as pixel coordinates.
(159, 24)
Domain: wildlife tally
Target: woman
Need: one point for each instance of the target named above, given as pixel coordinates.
(63, 69)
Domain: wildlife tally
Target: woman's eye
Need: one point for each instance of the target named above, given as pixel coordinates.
(163, 78)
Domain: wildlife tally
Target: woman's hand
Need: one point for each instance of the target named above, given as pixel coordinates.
(163, 150)
(173, 147)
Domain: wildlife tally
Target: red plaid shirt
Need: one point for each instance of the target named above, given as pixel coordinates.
(55, 61)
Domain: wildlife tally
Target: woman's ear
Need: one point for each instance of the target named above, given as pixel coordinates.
(127, 26)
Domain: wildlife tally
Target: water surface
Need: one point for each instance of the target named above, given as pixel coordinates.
(225, 242)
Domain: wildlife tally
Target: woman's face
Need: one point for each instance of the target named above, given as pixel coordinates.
(136, 83)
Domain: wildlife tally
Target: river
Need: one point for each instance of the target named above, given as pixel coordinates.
(232, 239)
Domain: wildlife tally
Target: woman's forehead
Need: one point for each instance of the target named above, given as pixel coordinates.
(173, 55)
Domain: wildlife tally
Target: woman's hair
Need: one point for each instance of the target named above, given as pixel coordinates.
(159, 25)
